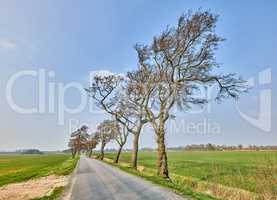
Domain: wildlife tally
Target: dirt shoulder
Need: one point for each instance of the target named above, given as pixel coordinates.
(31, 189)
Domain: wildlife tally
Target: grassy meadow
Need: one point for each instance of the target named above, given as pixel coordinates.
(17, 168)
(247, 170)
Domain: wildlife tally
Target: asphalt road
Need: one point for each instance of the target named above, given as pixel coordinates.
(95, 180)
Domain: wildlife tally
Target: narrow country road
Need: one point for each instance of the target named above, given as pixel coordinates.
(95, 180)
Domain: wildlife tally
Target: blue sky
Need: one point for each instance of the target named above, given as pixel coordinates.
(73, 38)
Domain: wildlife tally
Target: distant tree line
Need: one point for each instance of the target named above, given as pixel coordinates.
(213, 147)
(30, 151)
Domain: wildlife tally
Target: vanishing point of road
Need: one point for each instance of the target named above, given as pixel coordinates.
(95, 180)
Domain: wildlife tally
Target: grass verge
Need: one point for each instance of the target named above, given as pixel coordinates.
(177, 187)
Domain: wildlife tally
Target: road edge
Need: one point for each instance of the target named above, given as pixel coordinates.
(71, 181)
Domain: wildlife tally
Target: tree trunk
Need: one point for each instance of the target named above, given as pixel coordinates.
(72, 153)
(162, 155)
(90, 153)
(135, 151)
(118, 154)
(102, 151)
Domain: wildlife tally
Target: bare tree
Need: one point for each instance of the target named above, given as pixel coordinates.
(121, 139)
(182, 60)
(71, 145)
(106, 131)
(122, 99)
(78, 140)
(91, 143)
(138, 91)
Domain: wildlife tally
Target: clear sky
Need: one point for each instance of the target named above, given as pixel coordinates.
(73, 38)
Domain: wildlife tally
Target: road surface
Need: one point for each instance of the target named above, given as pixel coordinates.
(95, 180)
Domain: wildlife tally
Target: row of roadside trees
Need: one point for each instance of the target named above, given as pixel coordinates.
(83, 142)
(171, 70)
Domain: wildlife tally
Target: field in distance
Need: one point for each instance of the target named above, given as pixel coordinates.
(250, 171)
(18, 168)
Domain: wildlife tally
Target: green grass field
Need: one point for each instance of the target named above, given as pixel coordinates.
(233, 169)
(17, 168)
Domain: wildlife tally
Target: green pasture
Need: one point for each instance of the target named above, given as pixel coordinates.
(17, 168)
(236, 169)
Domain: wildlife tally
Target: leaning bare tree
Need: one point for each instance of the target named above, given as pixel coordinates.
(122, 99)
(78, 140)
(121, 139)
(182, 59)
(137, 94)
(91, 144)
(106, 131)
